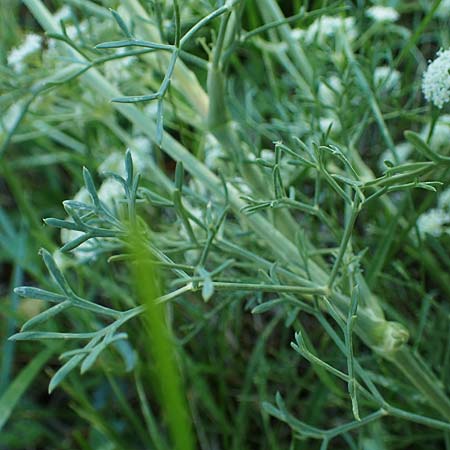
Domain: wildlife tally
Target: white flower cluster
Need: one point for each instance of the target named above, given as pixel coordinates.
(213, 152)
(117, 70)
(433, 222)
(436, 221)
(330, 91)
(436, 79)
(443, 10)
(382, 14)
(74, 31)
(326, 122)
(441, 133)
(140, 149)
(329, 94)
(403, 150)
(18, 55)
(387, 78)
(63, 13)
(439, 139)
(86, 250)
(444, 200)
(9, 118)
(326, 27)
(240, 184)
(110, 190)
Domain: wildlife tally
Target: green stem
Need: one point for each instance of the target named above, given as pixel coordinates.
(184, 80)
(356, 206)
(271, 10)
(230, 286)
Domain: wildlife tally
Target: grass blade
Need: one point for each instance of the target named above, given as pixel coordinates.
(18, 387)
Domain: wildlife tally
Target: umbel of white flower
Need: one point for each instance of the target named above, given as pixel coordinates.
(383, 14)
(436, 79)
(433, 222)
(17, 56)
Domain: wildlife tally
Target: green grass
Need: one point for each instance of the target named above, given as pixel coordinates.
(265, 267)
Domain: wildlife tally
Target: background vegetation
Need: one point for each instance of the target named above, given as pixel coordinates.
(266, 267)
